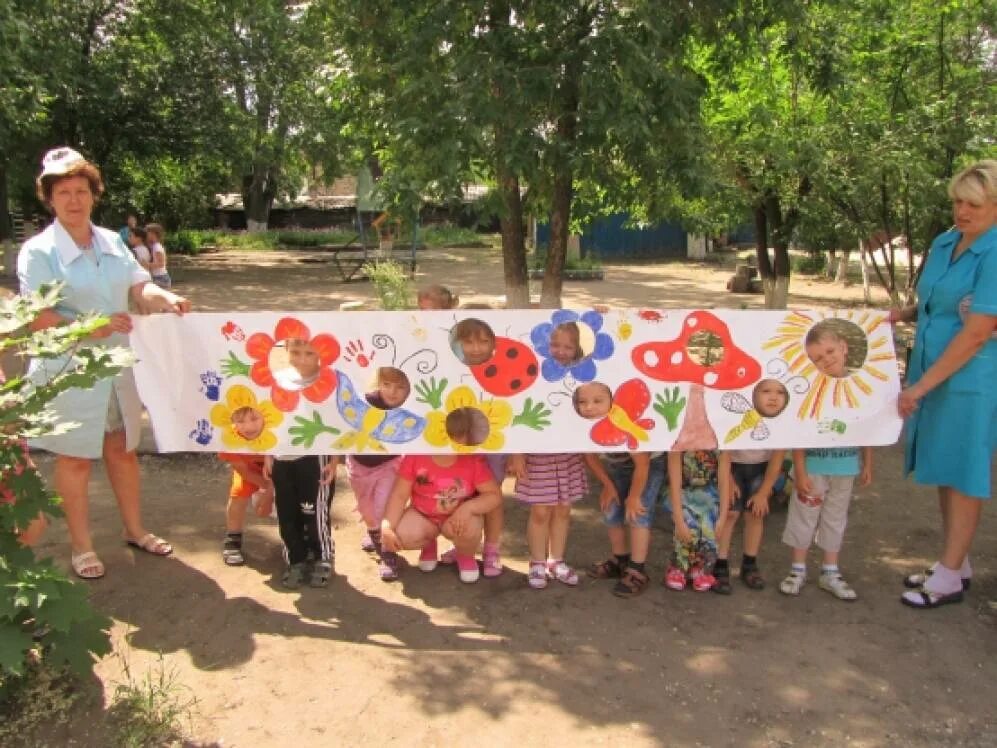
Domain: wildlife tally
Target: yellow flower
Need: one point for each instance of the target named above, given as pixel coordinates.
(497, 415)
(237, 397)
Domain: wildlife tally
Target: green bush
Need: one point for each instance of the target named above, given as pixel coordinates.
(302, 238)
(42, 613)
(450, 236)
(391, 284)
(189, 242)
(589, 262)
(811, 263)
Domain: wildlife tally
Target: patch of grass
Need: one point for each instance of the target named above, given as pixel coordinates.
(391, 284)
(305, 238)
(589, 262)
(152, 710)
(451, 236)
(40, 699)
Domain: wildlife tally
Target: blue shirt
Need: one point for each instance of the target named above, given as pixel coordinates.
(833, 461)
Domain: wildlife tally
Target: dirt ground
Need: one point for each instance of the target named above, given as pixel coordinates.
(428, 661)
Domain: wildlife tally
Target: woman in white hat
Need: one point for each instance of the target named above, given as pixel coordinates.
(99, 275)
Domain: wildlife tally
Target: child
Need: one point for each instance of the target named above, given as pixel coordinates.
(303, 487)
(247, 479)
(828, 350)
(372, 476)
(753, 473)
(304, 365)
(565, 344)
(136, 241)
(474, 341)
(437, 297)
(154, 234)
(449, 495)
(699, 486)
(824, 481)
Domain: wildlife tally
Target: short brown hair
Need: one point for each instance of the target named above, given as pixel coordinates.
(45, 185)
(472, 328)
(155, 228)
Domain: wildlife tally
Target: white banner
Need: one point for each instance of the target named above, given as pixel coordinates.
(517, 381)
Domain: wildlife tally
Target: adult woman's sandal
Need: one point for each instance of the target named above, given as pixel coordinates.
(923, 598)
(87, 565)
(151, 544)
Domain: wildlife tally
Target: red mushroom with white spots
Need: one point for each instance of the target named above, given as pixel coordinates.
(671, 362)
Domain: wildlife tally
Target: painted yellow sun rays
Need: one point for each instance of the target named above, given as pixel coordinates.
(846, 391)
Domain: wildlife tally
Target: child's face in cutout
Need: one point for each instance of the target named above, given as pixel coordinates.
(303, 357)
(563, 348)
(248, 423)
(593, 400)
(477, 349)
(829, 354)
(392, 392)
(770, 398)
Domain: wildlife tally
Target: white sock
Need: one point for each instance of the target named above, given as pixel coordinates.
(829, 569)
(799, 570)
(944, 581)
(966, 570)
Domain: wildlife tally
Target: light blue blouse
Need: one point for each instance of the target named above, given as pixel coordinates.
(91, 284)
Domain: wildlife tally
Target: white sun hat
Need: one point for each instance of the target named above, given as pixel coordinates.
(60, 160)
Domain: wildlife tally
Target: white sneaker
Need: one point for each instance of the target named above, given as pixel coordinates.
(793, 583)
(837, 586)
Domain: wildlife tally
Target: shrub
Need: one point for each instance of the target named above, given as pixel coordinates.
(301, 238)
(450, 236)
(42, 613)
(811, 263)
(391, 284)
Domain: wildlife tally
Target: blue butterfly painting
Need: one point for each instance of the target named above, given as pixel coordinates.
(373, 425)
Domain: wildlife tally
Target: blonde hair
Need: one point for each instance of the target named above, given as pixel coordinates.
(823, 330)
(571, 330)
(976, 184)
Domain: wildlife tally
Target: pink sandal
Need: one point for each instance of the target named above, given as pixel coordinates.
(675, 579)
(562, 573)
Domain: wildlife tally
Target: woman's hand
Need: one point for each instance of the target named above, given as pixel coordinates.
(909, 400)
(117, 322)
(177, 305)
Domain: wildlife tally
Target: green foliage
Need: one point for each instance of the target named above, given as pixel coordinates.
(301, 238)
(150, 710)
(391, 284)
(189, 242)
(588, 262)
(41, 611)
(41, 697)
(451, 236)
(811, 263)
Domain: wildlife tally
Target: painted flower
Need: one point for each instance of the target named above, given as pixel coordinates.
(259, 345)
(237, 397)
(497, 414)
(583, 370)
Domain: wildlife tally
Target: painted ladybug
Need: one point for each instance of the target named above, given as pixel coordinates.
(511, 369)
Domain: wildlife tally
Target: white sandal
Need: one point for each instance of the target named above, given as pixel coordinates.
(792, 584)
(837, 586)
(87, 565)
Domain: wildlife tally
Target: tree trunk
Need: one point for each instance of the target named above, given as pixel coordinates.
(831, 264)
(841, 276)
(258, 191)
(776, 286)
(517, 289)
(864, 264)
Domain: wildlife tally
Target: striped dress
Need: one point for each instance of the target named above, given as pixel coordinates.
(553, 479)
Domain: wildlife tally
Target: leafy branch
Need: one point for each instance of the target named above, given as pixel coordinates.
(430, 392)
(533, 415)
(307, 430)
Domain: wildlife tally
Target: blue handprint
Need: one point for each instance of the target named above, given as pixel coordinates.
(211, 380)
(202, 433)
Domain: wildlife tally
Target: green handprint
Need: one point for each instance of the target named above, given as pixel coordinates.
(233, 367)
(307, 430)
(533, 415)
(430, 391)
(670, 405)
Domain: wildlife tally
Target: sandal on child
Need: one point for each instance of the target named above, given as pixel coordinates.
(792, 584)
(917, 580)
(87, 565)
(674, 579)
(293, 576)
(753, 578)
(721, 583)
(321, 573)
(631, 584)
(538, 575)
(491, 564)
(562, 573)
(608, 569)
(922, 598)
(151, 544)
(232, 550)
(703, 581)
(837, 586)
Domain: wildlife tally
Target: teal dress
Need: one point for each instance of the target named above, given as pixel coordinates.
(952, 436)
(97, 283)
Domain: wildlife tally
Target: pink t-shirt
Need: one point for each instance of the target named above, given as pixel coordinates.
(437, 491)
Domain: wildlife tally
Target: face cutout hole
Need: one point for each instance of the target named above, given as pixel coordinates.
(467, 426)
(472, 341)
(836, 347)
(705, 348)
(390, 389)
(592, 400)
(571, 342)
(769, 397)
(295, 363)
(248, 422)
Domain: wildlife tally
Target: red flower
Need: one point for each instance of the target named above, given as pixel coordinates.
(259, 345)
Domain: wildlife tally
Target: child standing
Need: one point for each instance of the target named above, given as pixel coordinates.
(549, 484)
(754, 473)
(136, 241)
(699, 488)
(819, 507)
(247, 480)
(154, 234)
(303, 489)
(373, 476)
(449, 495)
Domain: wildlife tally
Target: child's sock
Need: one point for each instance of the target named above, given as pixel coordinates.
(490, 549)
(829, 569)
(749, 562)
(722, 567)
(799, 570)
(622, 559)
